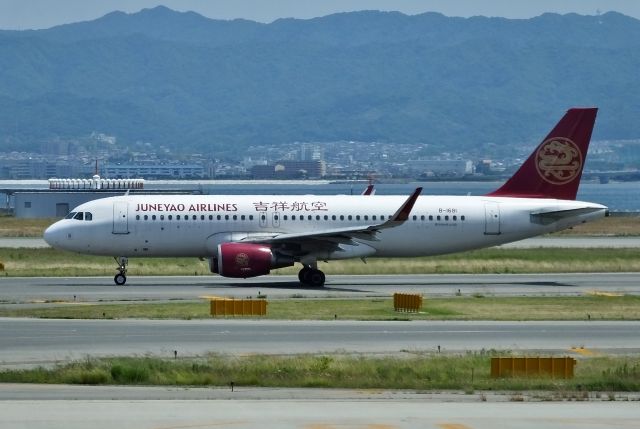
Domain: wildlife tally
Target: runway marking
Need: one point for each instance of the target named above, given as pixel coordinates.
(582, 351)
(452, 426)
(205, 425)
(603, 293)
(333, 426)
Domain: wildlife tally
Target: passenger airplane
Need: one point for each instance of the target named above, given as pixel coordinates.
(248, 236)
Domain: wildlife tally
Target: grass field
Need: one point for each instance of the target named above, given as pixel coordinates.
(458, 308)
(13, 227)
(56, 263)
(467, 372)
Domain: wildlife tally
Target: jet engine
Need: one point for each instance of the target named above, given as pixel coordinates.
(242, 260)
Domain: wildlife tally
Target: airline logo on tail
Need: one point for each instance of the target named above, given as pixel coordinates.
(558, 160)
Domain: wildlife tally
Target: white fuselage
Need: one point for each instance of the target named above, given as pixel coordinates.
(194, 225)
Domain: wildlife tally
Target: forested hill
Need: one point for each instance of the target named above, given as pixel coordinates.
(187, 81)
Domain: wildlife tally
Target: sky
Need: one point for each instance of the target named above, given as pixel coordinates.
(35, 14)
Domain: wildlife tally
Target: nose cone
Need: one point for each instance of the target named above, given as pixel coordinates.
(53, 235)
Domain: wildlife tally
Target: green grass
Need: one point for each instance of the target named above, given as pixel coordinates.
(470, 371)
(457, 308)
(51, 262)
(14, 227)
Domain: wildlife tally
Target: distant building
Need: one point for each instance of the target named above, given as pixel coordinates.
(154, 171)
(440, 167)
(290, 170)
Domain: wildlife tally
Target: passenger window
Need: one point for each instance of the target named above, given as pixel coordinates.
(422, 217)
(349, 217)
(455, 218)
(153, 217)
(170, 217)
(293, 217)
(430, 217)
(194, 217)
(373, 217)
(310, 217)
(79, 216)
(137, 217)
(161, 217)
(326, 217)
(242, 217)
(250, 217)
(446, 217)
(226, 217)
(201, 217)
(70, 215)
(438, 217)
(341, 217)
(333, 217)
(210, 217)
(177, 217)
(88, 216)
(219, 217)
(146, 217)
(415, 217)
(317, 217)
(462, 217)
(235, 217)
(366, 217)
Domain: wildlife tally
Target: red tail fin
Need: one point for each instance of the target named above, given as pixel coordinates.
(554, 169)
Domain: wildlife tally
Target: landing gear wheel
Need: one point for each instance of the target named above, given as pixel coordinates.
(312, 277)
(303, 275)
(120, 279)
(316, 278)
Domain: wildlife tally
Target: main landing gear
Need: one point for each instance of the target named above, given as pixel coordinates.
(311, 276)
(121, 278)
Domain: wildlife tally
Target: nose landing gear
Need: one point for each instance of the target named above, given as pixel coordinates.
(121, 278)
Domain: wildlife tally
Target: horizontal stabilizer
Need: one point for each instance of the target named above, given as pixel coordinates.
(549, 217)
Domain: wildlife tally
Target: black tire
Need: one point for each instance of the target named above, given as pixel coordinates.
(120, 279)
(303, 275)
(316, 278)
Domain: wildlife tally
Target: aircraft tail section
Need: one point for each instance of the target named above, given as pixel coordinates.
(554, 169)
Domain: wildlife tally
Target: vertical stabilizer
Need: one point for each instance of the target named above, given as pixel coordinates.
(554, 169)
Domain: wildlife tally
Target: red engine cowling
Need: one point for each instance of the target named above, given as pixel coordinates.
(247, 260)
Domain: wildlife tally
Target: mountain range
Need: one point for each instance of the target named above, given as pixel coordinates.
(197, 84)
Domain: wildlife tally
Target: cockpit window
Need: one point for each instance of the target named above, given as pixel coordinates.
(88, 216)
(70, 215)
(79, 216)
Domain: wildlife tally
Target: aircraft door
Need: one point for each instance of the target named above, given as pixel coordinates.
(263, 220)
(491, 219)
(276, 219)
(120, 217)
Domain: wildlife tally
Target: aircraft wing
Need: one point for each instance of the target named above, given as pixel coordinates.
(335, 236)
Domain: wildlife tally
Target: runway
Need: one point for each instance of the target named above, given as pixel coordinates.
(101, 289)
(313, 413)
(44, 341)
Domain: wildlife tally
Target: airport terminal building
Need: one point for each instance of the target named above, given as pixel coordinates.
(65, 194)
